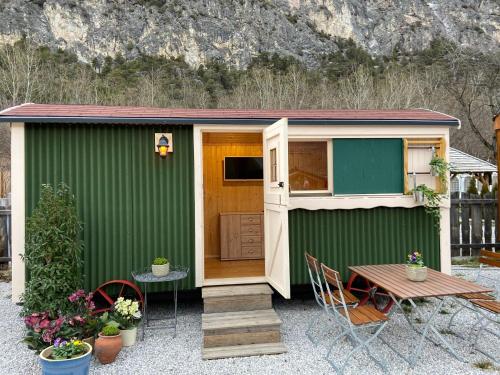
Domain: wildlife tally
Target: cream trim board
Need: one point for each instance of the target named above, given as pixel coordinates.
(356, 201)
(445, 241)
(199, 240)
(18, 209)
(314, 131)
(198, 207)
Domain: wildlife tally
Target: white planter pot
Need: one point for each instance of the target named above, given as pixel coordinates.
(419, 196)
(160, 270)
(129, 336)
(416, 273)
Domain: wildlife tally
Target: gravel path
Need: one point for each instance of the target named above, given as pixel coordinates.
(160, 353)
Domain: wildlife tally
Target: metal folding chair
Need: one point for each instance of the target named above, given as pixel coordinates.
(352, 321)
(487, 313)
(465, 300)
(322, 299)
(486, 307)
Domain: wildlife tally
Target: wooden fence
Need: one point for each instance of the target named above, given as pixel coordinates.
(472, 223)
(5, 236)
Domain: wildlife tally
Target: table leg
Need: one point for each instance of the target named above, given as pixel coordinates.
(175, 308)
(415, 355)
(145, 323)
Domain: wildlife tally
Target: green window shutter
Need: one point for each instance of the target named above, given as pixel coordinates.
(367, 166)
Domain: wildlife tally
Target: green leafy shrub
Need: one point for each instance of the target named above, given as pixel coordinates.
(485, 189)
(53, 255)
(472, 188)
(160, 261)
(110, 331)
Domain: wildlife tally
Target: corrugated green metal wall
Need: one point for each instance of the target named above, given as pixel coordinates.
(341, 238)
(134, 205)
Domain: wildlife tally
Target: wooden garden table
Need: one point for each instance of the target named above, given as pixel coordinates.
(392, 277)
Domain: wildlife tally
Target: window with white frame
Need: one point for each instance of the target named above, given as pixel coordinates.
(309, 166)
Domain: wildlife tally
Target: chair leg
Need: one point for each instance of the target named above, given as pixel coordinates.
(450, 323)
(361, 345)
(313, 322)
(484, 321)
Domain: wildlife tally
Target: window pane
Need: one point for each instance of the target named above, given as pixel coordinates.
(274, 165)
(308, 165)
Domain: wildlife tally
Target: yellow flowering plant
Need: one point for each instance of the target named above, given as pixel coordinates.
(126, 313)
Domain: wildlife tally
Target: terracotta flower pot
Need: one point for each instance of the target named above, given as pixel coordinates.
(107, 348)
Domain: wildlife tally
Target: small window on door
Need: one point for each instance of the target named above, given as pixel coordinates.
(274, 165)
(308, 170)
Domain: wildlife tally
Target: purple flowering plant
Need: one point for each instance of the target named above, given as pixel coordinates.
(66, 349)
(415, 259)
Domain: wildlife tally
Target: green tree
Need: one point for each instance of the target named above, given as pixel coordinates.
(53, 252)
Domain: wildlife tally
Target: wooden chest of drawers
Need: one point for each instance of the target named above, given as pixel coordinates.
(242, 235)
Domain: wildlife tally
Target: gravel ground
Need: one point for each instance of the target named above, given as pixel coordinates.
(160, 353)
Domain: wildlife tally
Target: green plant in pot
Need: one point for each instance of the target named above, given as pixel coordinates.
(160, 267)
(66, 356)
(415, 268)
(431, 200)
(440, 168)
(108, 344)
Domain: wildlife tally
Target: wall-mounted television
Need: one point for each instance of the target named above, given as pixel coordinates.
(243, 168)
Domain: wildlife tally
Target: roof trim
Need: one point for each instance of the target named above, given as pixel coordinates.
(223, 121)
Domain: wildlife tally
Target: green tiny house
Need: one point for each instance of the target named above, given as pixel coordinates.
(334, 184)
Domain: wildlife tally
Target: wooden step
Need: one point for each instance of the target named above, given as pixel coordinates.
(240, 328)
(243, 350)
(229, 321)
(228, 298)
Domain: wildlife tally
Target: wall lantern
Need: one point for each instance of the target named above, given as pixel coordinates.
(163, 144)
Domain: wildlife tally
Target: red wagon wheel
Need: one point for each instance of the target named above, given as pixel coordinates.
(106, 294)
(369, 292)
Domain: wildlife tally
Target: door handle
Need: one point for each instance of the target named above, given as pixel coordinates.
(281, 184)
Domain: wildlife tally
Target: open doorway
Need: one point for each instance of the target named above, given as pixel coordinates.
(233, 199)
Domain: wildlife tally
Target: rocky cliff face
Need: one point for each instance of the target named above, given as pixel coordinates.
(235, 31)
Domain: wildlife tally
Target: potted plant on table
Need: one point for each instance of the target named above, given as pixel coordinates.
(108, 344)
(160, 267)
(415, 268)
(66, 357)
(127, 315)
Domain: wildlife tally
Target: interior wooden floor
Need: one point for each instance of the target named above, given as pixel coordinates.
(217, 269)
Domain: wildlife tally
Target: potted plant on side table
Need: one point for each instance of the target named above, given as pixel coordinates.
(415, 269)
(127, 315)
(108, 344)
(66, 357)
(160, 267)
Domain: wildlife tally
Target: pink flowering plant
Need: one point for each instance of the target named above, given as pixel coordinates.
(43, 329)
(415, 259)
(82, 319)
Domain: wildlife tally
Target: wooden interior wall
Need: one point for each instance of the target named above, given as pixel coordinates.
(227, 196)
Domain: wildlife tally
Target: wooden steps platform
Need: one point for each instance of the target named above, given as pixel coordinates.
(244, 351)
(239, 321)
(237, 298)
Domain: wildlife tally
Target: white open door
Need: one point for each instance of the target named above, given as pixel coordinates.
(277, 260)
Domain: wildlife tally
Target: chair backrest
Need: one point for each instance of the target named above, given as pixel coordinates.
(313, 267)
(490, 258)
(333, 282)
